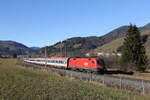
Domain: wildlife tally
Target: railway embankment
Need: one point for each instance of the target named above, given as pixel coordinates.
(120, 82)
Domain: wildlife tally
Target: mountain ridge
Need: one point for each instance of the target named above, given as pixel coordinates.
(79, 46)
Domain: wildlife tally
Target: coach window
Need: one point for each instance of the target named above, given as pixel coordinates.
(61, 62)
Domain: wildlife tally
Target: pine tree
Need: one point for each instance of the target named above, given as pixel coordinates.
(133, 52)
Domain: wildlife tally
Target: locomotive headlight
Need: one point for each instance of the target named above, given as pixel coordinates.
(86, 64)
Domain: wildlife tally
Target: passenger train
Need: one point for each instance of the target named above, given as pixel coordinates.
(92, 64)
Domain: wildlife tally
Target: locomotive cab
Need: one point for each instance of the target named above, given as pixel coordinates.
(100, 64)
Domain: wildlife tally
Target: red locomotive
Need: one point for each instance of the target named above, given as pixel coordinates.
(93, 64)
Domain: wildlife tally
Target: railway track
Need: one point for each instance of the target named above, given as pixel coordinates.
(121, 82)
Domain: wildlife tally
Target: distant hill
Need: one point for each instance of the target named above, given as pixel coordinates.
(35, 48)
(145, 28)
(79, 46)
(10, 48)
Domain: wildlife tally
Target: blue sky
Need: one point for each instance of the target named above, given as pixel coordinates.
(45, 22)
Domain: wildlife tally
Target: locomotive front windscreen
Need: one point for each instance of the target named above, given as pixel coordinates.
(101, 62)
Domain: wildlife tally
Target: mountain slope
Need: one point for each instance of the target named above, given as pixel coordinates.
(13, 48)
(114, 45)
(73, 46)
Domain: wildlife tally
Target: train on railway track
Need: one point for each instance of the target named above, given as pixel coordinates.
(91, 64)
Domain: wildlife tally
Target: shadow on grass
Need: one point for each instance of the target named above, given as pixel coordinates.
(146, 72)
(118, 72)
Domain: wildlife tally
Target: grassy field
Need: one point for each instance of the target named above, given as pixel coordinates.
(20, 83)
(110, 47)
